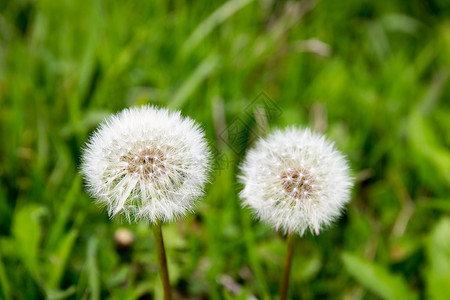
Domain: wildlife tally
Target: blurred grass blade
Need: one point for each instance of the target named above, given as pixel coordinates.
(194, 80)
(442, 204)
(92, 269)
(57, 230)
(58, 294)
(377, 278)
(427, 145)
(89, 120)
(438, 254)
(139, 291)
(434, 91)
(215, 19)
(60, 259)
(27, 236)
(401, 23)
(5, 287)
(379, 39)
(254, 260)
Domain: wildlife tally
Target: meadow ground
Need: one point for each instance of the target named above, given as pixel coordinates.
(372, 75)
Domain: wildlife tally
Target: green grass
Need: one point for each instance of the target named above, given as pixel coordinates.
(372, 75)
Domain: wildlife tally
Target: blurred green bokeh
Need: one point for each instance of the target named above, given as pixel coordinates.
(372, 75)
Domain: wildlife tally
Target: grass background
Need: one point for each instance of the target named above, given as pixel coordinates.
(372, 75)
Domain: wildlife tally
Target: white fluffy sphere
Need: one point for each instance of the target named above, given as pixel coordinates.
(295, 180)
(147, 163)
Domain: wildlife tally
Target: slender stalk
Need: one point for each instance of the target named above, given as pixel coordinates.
(163, 271)
(287, 266)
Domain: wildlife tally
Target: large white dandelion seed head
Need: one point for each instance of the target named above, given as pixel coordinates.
(147, 163)
(295, 180)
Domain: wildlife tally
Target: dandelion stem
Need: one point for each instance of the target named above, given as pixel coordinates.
(164, 273)
(287, 266)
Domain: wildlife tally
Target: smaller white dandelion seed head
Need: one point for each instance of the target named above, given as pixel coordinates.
(155, 168)
(307, 183)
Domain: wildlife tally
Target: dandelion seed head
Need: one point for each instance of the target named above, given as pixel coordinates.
(305, 185)
(147, 163)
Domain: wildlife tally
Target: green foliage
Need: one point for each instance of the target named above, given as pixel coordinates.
(438, 255)
(372, 75)
(377, 279)
(27, 234)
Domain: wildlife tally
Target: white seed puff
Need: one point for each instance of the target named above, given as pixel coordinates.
(295, 180)
(147, 163)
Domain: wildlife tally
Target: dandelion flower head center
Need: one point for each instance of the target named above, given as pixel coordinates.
(145, 162)
(153, 160)
(297, 182)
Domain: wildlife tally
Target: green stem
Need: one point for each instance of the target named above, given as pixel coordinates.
(162, 261)
(287, 266)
